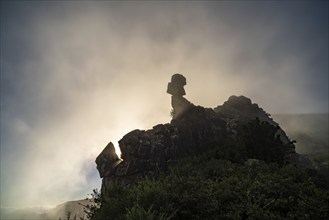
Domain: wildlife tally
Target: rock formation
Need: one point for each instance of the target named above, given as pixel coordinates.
(176, 89)
(191, 130)
(240, 109)
(107, 161)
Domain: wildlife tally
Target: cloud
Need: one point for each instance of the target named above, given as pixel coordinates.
(77, 75)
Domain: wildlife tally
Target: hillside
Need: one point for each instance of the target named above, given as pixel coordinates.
(71, 208)
(230, 162)
(311, 131)
(213, 186)
(22, 213)
(58, 212)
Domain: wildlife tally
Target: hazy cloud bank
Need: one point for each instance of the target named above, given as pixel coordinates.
(76, 75)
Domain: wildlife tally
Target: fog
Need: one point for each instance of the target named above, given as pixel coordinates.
(77, 75)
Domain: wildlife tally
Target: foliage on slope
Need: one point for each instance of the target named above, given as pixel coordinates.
(224, 182)
(205, 187)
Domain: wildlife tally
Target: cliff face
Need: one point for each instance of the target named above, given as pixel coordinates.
(192, 129)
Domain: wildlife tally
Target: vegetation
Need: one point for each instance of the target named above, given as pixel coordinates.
(91, 209)
(224, 183)
(321, 157)
(261, 142)
(220, 189)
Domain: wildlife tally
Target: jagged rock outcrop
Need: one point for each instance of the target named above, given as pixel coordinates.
(142, 152)
(107, 161)
(191, 129)
(240, 110)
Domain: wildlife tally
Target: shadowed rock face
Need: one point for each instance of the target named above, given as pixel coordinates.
(143, 153)
(240, 110)
(107, 161)
(192, 128)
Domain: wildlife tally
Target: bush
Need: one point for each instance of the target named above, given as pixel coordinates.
(136, 212)
(262, 142)
(220, 189)
(222, 183)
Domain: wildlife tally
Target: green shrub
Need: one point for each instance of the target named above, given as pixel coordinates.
(261, 141)
(136, 212)
(220, 189)
(222, 183)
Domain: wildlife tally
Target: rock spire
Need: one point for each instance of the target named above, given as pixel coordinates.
(176, 89)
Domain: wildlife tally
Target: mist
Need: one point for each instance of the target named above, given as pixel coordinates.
(77, 75)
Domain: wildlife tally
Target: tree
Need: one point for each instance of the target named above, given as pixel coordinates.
(90, 210)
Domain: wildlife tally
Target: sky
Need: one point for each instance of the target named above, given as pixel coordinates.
(76, 75)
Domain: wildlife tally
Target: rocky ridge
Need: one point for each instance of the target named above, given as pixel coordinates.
(148, 152)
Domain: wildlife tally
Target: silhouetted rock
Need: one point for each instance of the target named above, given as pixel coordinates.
(107, 161)
(192, 129)
(176, 89)
(176, 86)
(238, 110)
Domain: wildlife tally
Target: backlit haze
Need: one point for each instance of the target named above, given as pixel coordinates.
(76, 75)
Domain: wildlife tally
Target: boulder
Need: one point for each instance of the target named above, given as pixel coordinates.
(107, 161)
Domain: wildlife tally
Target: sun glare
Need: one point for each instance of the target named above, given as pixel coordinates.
(117, 149)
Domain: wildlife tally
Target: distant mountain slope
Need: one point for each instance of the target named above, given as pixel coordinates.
(58, 212)
(309, 130)
(61, 211)
(22, 213)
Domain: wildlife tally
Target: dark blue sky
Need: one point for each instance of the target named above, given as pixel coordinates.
(76, 75)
